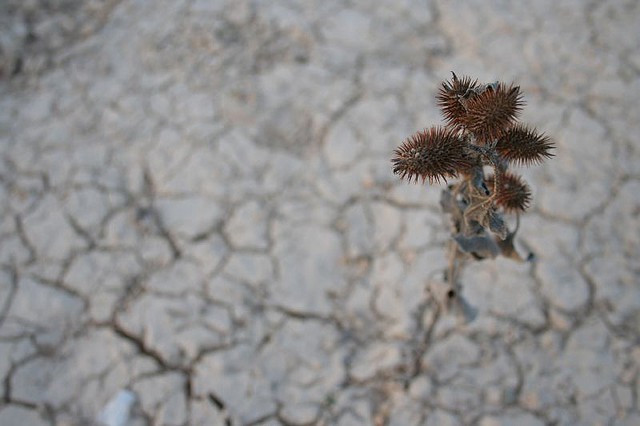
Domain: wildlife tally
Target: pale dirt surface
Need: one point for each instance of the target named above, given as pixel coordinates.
(197, 205)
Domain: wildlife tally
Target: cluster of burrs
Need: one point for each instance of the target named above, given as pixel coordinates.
(478, 143)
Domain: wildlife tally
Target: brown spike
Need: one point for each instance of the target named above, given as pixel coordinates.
(448, 98)
(433, 154)
(491, 112)
(513, 194)
(524, 146)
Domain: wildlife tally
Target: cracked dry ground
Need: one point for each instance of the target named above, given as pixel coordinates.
(196, 204)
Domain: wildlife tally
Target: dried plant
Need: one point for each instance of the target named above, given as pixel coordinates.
(479, 142)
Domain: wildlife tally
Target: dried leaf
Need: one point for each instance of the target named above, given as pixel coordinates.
(496, 224)
(482, 246)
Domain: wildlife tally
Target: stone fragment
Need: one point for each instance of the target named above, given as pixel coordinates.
(374, 359)
(357, 226)
(254, 269)
(511, 418)
(341, 146)
(439, 417)
(59, 312)
(176, 279)
(178, 329)
(209, 253)
(562, 284)
(311, 267)
(189, 217)
(237, 382)
(447, 357)
(503, 287)
(387, 224)
(49, 231)
(163, 398)
(247, 228)
(16, 415)
(567, 175)
(88, 207)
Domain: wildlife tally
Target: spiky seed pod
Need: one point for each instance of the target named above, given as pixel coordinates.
(448, 99)
(513, 194)
(524, 146)
(491, 112)
(432, 154)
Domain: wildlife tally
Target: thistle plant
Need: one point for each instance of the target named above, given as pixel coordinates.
(480, 140)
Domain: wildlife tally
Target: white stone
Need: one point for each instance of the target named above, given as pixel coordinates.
(105, 364)
(242, 153)
(349, 29)
(568, 175)
(24, 194)
(547, 239)
(199, 172)
(562, 284)
(118, 410)
(155, 251)
(439, 417)
(418, 228)
(255, 269)
(357, 226)
(160, 104)
(311, 267)
(414, 195)
(283, 171)
(355, 408)
(616, 286)
(610, 240)
(503, 287)
(389, 295)
(98, 271)
(374, 359)
(166, 156)
(380, 127)
(588, 359)
(163, 398)
(234, 294)
(203, 412)
(16, 415)
(237, 381)
(13, 251)
(121, 230)
(610, 232)
(447, 357)
(248, 226)
(387, 224)
(513, 418)
(189, 217)
(421, 388)
(340, 186)
(342, 146)
(306, 360)
(177, 328)
(176, 279)
(461, 394)
(420, 269)
(49, 232)
(303, 413)
(58, 312)
(403, 411)
(88, 207)
(208, 254)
